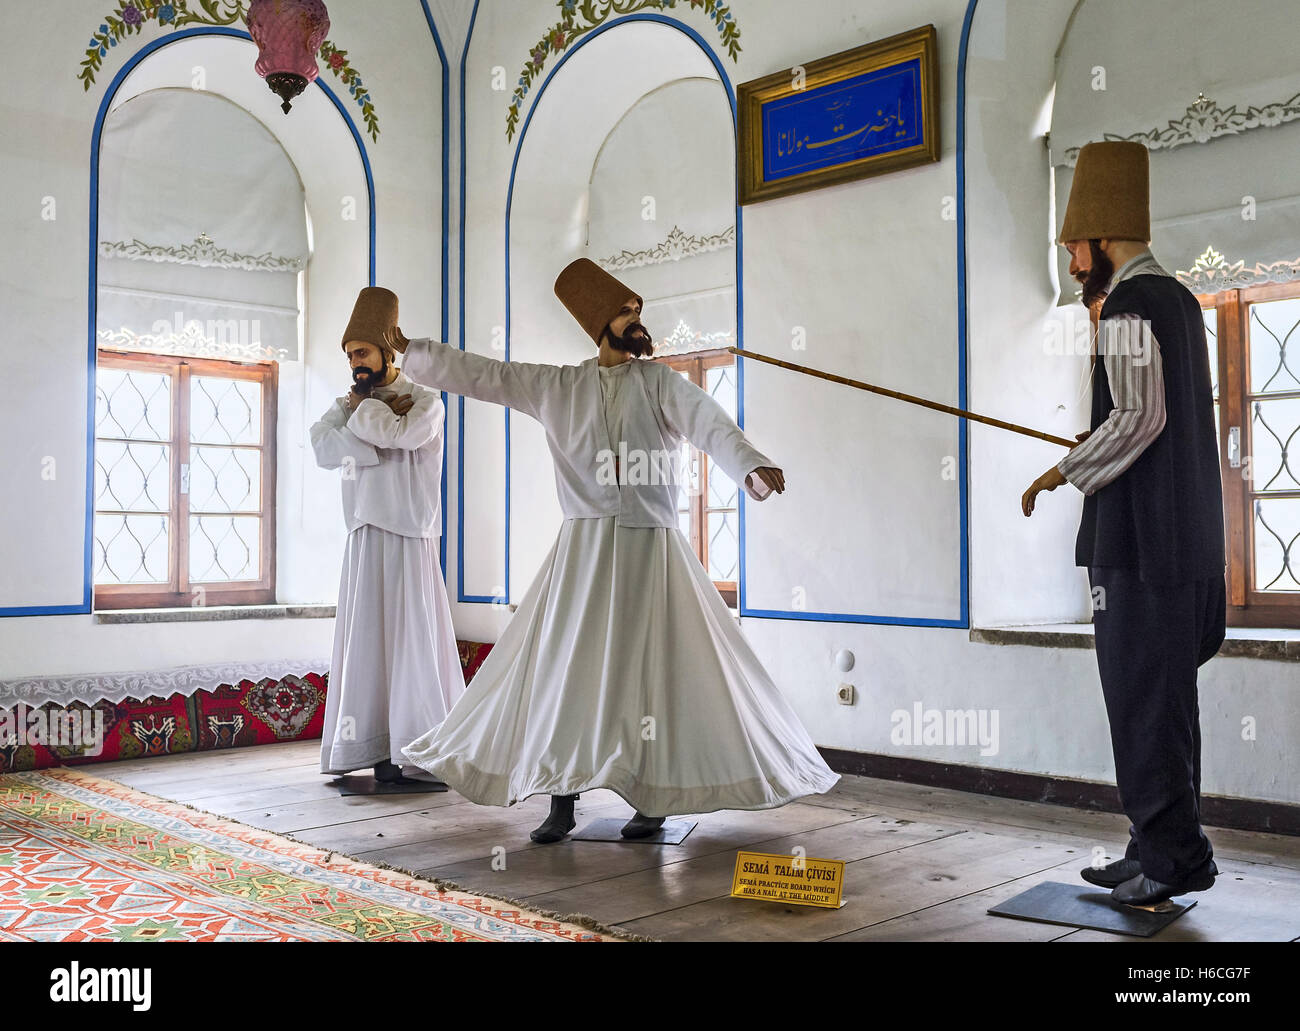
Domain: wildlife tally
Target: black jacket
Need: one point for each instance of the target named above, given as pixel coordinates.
(1164, 514)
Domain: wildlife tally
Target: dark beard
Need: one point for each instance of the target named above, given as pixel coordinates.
(636, 340)
(1097, 278)
(372, 379)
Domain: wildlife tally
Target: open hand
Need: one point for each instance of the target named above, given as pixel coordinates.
(1050, 480)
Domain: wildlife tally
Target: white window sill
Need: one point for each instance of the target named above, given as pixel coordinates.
(1241, 642)
(204, 613)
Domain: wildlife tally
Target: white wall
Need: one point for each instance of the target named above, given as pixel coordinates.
(1022, 570)
(871, 261)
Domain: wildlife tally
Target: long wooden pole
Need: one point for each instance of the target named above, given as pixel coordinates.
(909, 398)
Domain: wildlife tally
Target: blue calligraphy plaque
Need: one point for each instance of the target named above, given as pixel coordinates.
(878, 112)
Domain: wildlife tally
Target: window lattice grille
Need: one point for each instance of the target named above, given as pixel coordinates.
(133, 453)
(720, 502)
(1274, 402)
(220, 494)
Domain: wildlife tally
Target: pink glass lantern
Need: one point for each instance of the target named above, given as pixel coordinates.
(288, 34)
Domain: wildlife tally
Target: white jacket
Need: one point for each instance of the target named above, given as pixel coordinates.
(392, 465)
(663, 409)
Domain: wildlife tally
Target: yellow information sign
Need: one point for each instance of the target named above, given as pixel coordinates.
(793, 879)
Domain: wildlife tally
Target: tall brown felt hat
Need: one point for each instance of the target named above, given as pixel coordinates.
(592, 295)
(1111, 193)
(373, 316)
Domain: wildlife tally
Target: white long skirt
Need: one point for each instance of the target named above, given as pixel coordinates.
(623, 669)
(395, 669)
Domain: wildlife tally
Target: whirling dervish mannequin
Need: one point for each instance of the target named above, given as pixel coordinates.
(622, 667)
(395, 667)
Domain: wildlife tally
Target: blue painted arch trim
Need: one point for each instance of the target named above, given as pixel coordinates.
(444, 272)
(97, 131)
(740, 383)
(460, 405)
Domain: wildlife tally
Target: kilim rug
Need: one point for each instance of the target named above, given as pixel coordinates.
(231, 715)
(86, 859)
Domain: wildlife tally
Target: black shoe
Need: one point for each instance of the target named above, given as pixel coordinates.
(1143, 891)
(559, 823)
(1112, 875)
(641, 826)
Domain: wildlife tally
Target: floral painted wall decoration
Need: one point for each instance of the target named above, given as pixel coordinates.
(576, 19)
(132, 17)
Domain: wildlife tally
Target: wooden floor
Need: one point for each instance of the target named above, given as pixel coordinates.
(922, 863)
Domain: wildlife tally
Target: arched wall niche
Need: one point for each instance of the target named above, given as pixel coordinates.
(339, 195)
(548, 224)
(176, 169)
(662, 206)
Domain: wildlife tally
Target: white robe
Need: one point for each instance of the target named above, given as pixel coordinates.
(622, 668)
(395, 667)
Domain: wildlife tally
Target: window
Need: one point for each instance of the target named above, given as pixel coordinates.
(709, 518)
(1254, 337)
(184, 481)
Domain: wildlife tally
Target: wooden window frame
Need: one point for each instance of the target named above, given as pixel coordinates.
(696, 365)
(1247, 607)
(178, 592)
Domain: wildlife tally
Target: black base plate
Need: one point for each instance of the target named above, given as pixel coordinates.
(673, 832)
(1079, 905)
(352, 784)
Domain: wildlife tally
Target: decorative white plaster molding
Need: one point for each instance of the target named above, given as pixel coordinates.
(192, 342)
(201, 252)
(181, 680)
(674, 247)
(1212, 273)
(684, 340)
(1205, 121)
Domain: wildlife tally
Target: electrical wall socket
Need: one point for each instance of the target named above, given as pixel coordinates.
(846, 695)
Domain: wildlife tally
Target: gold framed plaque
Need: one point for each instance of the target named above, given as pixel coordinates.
(859, 113)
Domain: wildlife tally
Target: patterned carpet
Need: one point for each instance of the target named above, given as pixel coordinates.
(86, 859)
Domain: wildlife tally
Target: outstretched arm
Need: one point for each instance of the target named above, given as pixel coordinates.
(1135, 374)
(695, 415)
(375, 423)
(518, 385)
(333, 440)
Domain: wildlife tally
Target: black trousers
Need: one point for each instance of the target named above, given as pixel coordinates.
(1151, 639)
